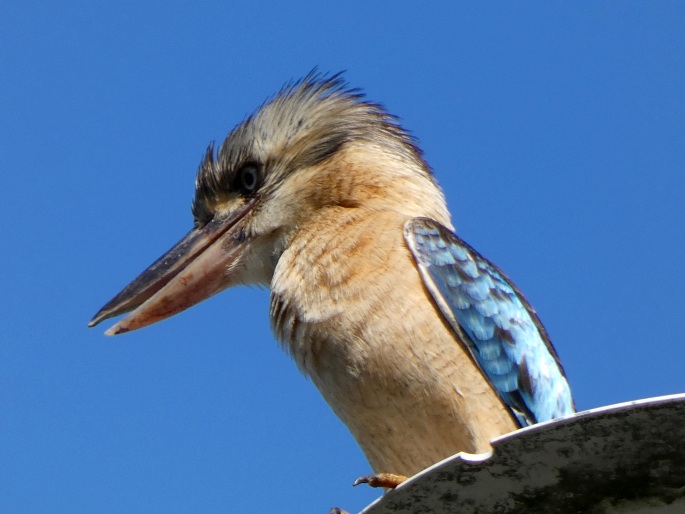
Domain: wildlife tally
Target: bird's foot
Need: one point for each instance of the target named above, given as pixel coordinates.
(386, 480)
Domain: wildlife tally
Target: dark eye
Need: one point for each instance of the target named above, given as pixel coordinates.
(248, 178)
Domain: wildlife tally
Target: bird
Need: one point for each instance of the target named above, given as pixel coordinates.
(420, 345)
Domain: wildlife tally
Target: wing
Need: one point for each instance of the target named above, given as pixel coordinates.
(492, 318)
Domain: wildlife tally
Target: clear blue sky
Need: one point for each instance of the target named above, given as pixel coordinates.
(556, 130)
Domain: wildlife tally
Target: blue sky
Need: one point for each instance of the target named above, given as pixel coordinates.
(556, 130)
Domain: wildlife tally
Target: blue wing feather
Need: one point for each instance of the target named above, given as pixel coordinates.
(495, 322)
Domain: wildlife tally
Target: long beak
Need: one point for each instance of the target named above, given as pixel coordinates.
(197, 267)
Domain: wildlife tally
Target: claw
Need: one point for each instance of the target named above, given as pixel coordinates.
(385, 480)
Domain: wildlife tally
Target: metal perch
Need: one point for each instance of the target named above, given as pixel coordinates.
(623, 458)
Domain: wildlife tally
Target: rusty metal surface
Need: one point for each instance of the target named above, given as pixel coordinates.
(625, 458)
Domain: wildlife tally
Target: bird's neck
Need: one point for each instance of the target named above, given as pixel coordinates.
(331, 280)
(345, 256)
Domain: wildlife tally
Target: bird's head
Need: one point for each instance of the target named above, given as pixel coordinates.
(317, 145)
